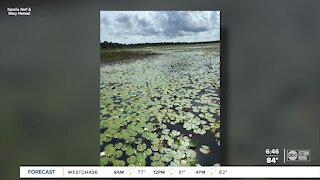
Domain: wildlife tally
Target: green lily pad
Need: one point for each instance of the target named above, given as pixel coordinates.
(118, 154)
(204, 149)
(184, 142)
(118, 163)
(183, 162)
(217, 135)
(155, 157)
(212, 120)
(155, 141)
(203, 122)
(163, 126)
(167, 157)
(109, 150)
(130, 151)
(104, 161)
(195, 110)
(154, 147)
(206, 127)
(175, 133)
(165, 131)
(191, 153)
(170, 142)
(118, 145)
(141, 147)
(175, 163)
(131, 159)
(177, 154)
(148, 151)
(157, 163)
(140, 162)
(199, 131)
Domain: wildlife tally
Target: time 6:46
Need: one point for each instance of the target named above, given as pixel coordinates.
(272, 151)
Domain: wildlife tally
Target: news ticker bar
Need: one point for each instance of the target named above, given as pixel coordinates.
(170, 172)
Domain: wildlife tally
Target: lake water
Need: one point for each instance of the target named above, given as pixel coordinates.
(144, 101)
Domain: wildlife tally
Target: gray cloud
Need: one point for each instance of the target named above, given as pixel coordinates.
(125, 20)
(159, 26)
(184, 23)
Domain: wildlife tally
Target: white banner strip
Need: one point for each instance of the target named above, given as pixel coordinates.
(170, 172)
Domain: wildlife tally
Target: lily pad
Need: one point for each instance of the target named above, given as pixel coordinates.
(165, 131)
(177, 154)
(104, 161)
(183, 162)
(154, 147)
(130, 151)
(109, 150)
(167, 157)
(204, 149)
(118, 154)
(148, 151)
(175, 163)
(131, 159)
(156, 156)
(141, 147)
(118, 163)
(175, 133)
(157, 163)
(118, 145)
(191, 153)
(184, 142)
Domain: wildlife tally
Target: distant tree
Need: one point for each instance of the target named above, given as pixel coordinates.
(106, 44)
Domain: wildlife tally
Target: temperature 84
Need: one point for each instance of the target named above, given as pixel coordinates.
(271, 160)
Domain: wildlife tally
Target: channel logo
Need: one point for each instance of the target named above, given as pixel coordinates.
(298, 155)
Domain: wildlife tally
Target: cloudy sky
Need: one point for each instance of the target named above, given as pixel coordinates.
(129, 27)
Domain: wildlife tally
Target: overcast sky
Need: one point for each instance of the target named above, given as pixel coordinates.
(129, 27)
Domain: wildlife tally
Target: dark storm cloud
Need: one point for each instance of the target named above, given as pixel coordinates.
(159, 26)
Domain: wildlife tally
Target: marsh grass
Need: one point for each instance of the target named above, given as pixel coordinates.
(123, 55)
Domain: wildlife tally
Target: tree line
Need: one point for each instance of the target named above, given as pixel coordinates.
(106, 44)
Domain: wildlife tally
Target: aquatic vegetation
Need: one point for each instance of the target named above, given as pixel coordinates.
(204, 149)
(152, 109)
(131, 159)
(109, 150)
(141, 147)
